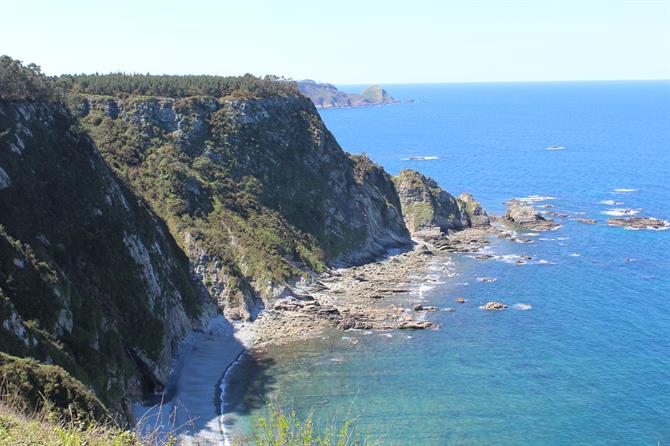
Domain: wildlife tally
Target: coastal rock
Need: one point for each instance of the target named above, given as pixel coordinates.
(639, 223)
(588, 221)
(429, 211)
(460, 300)
(493, 305)
(524, 214)
(419, 307)
(474, 210)
(414, 325)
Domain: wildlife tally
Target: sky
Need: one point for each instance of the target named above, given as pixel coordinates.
(346, 41)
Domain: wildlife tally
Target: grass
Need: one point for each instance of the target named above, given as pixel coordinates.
(284, 428)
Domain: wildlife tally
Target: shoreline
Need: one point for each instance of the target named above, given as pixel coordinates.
(359, 297)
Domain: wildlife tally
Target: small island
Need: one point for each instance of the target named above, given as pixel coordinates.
(325, 95)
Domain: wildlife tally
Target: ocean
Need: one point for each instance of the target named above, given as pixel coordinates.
(582, 355)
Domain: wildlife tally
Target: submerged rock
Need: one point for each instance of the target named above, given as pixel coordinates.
(588, 221)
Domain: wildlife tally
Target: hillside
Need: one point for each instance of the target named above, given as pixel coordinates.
(90, 278)
(125, 224)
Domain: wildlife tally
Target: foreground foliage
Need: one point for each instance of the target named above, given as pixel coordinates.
(285, 428)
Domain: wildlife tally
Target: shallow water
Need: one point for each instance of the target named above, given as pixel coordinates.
(582, 355)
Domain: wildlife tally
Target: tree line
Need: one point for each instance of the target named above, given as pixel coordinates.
(27, 82)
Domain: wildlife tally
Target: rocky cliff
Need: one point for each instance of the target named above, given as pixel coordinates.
(256, 190)
(429, 210)
(90, 278)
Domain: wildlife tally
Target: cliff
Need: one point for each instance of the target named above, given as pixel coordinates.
(256, 190)
(90, 279)
(328, 96)
(127, 218)
(429, 210)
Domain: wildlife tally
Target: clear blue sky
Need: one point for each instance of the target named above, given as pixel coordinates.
(347, 41)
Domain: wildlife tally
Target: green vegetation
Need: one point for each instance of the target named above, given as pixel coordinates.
(174, 86)
(285, 428)
(43, 429)
(34, 387)
(23, 83)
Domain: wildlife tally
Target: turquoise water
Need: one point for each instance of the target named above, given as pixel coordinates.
(589, 362)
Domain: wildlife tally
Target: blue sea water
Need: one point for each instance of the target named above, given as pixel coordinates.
(589, 362)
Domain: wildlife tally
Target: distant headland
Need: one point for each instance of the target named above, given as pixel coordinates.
(325, 95)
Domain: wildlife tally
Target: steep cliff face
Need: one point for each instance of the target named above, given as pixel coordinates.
(90, 278)
(256, 190)
(429, 210)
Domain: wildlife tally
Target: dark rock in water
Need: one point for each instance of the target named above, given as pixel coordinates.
(524, 214)
(419, 307)
(484, 257)
(493, 305)
(639, 223)
(460, 300)
(588, 221)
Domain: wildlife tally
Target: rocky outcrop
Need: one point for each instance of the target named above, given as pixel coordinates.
(473, 209)
(90, 279)
(328, 96)
(639, 223)
(524, 214)
(493, 306)
(429, 211)
(255, 190)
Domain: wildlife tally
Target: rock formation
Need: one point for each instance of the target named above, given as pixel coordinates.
(429, 211)
(524, 214)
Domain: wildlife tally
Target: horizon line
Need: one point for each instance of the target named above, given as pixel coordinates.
(496, 81)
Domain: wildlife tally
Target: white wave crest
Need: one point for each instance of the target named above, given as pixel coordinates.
(618, 212)
(611, 202)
